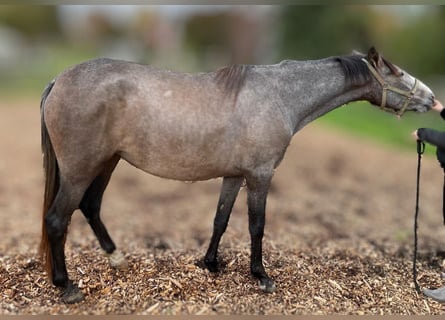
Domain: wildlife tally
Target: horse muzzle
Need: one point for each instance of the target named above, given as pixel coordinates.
(422, 104)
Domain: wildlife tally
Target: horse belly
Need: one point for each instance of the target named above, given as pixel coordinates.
(179, 166)
(182, 157)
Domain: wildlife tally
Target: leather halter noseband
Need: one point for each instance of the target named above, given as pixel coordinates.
(387, 87)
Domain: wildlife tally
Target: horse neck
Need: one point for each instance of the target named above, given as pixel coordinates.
(311, 89)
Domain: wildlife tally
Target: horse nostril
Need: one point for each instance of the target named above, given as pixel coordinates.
(433, 100)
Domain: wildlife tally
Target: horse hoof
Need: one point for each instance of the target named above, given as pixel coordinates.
(267, 285)
(72, 294)
(437, 294)
(118, 261)
(212, 266)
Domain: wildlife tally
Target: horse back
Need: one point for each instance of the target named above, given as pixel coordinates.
(175, 125)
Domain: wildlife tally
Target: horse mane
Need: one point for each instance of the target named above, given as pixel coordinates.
(354, 69)
(358, 72)
(231, 78)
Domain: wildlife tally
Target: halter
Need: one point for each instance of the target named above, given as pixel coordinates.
(387, 87)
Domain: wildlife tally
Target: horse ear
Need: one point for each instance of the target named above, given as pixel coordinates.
(375, 58)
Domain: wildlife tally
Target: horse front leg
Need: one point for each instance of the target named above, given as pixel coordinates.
(257, 191)
(229, 192)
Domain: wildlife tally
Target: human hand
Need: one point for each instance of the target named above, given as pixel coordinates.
(414, 135)
(437, 106)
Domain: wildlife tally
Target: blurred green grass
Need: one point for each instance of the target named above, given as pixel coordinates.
(368, 122)
(32, 75)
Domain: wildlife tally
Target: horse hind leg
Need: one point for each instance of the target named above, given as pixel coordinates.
(229, 191)
(56, 221)
(90, 207)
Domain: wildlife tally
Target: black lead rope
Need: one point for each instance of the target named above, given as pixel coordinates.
(420, 150)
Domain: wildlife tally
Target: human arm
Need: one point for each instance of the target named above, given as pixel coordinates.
(431, 136)
(436, 138)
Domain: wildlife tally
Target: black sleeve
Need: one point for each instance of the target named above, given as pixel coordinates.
(440, 154)
(434, 137)
(442, 114)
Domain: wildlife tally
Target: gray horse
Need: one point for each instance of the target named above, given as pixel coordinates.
(234, 123)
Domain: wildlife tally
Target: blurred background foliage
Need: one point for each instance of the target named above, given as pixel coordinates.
(38, 42)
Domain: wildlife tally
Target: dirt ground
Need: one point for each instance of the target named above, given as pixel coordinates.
(338, 236)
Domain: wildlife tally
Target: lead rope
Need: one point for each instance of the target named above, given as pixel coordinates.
(420, 150)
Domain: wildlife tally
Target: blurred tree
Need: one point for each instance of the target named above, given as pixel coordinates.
(414, 40)
(223, 38)
(31, 21)
(101, 27)
(206, 36)
(310, 32)
(419, 44)
(245, 34)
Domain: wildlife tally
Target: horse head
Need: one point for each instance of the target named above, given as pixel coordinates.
(396, 91)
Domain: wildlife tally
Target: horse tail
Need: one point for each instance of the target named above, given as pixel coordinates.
(51, 172)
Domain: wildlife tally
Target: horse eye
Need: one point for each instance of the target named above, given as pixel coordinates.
(402, 74)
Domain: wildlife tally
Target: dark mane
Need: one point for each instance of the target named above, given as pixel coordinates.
(355, 70)
(232, 78)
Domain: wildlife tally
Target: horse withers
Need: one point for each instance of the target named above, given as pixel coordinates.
(235, 123)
